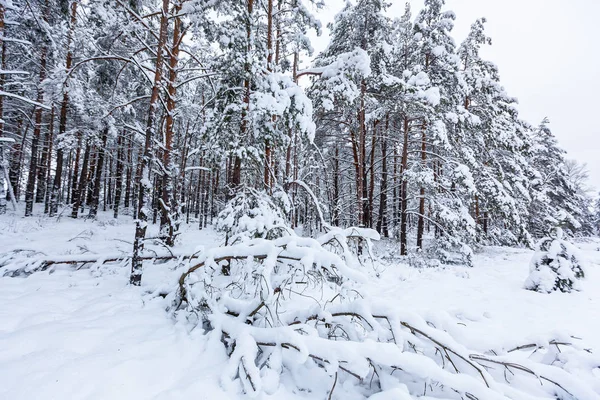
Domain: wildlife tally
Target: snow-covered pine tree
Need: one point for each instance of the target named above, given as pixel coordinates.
(554, 198)
(493, 140)
(445, 183)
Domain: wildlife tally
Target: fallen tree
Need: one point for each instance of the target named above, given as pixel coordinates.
(289, 312)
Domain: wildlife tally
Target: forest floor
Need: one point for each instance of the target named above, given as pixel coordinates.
(87, 334)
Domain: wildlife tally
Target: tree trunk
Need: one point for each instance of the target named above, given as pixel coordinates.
(372, 175)
(48, 177)
(421, 217)
(44, 163)
(119, 175)
(29, 191)
(79, 192)
(170, 209)
(144, 177)
(128, 179)
(362, 164)
(404, 190)
(98, 178)
(62, 127)
(236, 175)
(88, 192)
(336, 187)
(75, 176)
(382, 222)
(16, 161)
(268, 168)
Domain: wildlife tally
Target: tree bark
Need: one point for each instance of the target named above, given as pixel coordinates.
(62, 127)
(93, 212)
(144, 177)
(382, 222)
(170, 209)
(236, 176)
(404, 189)
(421, 217)
(79, 192)
(16, 161)
(119, 175)
(29, 191)
(75, 176)
(128, 179)
(372, 175)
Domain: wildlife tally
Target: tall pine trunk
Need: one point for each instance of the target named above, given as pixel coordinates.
(170, 209)
(404, 189)
(75, 176)
(128, 175)
(382, 221)
(16, 161)
(93, 212)
(144, 177)
(62, 127)
(37, 128)
(79, 191)
(119, 175)
(421, 217)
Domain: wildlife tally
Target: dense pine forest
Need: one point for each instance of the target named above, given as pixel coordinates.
(218, 114)
(166, 112)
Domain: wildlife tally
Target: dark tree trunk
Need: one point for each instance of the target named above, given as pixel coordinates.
(382, 222)
(43, 166)
(48, 181)
(119, 175)
(62, 127)
(404, 190)
(89, 189)
(421, 217)
(76, 167)
(98, 178)
(29, 191)
(372, 175)
(16, 161)
(79, 192)
(128, 179)
(336, 188)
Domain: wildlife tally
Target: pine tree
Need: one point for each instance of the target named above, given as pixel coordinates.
(556, 265)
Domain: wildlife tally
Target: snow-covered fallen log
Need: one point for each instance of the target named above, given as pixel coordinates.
(25, 262)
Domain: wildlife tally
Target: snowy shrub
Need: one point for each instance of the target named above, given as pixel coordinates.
(254, 214)
(419, 259)
(556, 265)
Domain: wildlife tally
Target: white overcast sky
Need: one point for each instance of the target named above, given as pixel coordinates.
(548, 52)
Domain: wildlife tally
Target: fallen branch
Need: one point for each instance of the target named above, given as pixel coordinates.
(519, 367)
(42, 264)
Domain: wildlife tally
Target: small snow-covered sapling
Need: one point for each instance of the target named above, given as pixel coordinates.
(556, 265)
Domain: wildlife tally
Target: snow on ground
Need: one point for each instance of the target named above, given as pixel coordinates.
(87, 334)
